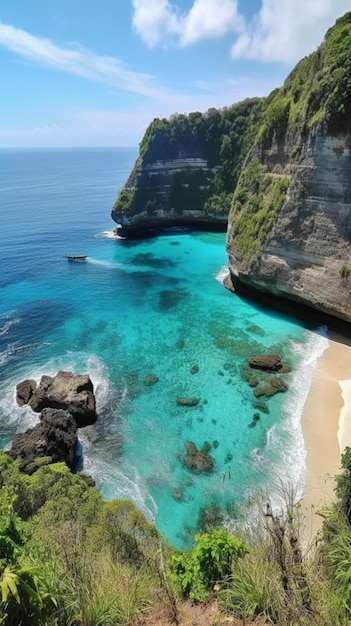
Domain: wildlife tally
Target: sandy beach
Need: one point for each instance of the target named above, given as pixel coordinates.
(326, 423)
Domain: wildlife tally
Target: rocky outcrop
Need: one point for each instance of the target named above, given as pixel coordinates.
(53, 440)
(66, 402)
(67, 391)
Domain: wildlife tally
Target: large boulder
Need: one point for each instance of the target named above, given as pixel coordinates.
(53, 440)
(67, 391)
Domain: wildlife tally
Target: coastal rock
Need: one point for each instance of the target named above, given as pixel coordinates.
(53, 440)
(25, 390)
(268, 362)
(198, 461)
(67, 391)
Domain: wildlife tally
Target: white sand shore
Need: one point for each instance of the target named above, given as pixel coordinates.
(326, 425)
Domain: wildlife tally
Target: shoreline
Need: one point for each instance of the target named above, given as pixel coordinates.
(326, 425)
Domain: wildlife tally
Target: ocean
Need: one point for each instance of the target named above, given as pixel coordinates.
(150, 321)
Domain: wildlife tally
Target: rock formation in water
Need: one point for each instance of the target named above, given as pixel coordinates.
(66, 402)
(277, 168)
(67, 391)
(53, 440)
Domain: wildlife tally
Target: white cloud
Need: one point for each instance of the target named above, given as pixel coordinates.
(281, 31)
(210, 19)
(77, 61)
(159, 21)
(155, 21)
(286, 30)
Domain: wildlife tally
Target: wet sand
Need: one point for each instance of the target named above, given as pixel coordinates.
(326, 423)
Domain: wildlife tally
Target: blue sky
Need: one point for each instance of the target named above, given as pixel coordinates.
(95, 73)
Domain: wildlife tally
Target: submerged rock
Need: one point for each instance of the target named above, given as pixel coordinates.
(151, 379)
(197, 460)
(275, 385)
(187, 401)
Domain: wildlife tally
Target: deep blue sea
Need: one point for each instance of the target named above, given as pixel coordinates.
(136, 308)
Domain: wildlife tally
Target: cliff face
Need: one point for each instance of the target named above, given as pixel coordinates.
(168, 192)
(306, 254)
(289, 230)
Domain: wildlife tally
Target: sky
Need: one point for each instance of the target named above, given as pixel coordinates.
(97, 72)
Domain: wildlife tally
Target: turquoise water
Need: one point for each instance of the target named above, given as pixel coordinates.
(135, 309)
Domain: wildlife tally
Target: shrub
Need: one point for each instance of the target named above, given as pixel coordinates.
(196, 572)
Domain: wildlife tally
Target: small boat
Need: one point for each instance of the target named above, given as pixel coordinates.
(76, 257)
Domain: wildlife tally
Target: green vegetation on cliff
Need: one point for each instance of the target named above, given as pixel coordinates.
(257, 200)
(318, 90)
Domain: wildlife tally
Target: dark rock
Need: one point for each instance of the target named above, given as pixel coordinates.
(72, 393)
(194, 369)
(272, 387)
(53, 440)
(268, 362)
(151, 379)
(25, 390)
(187, 401)
(197, 460)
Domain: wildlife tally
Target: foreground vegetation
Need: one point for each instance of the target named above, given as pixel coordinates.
(69, 558)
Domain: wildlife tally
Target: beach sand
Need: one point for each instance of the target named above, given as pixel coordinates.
(326, 424)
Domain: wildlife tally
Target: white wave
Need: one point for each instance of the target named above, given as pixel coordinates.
(13, 349)
(103, 263)
(4, 329)
(222, 274)
(286, 438)
(125, 485)
(109, 234)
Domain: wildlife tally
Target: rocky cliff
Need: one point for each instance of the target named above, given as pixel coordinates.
(186, 170)
(289, 229)
(277, 169)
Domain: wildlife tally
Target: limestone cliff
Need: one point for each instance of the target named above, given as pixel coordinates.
(289, 231)
(186, 170)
